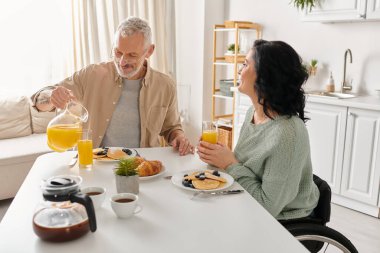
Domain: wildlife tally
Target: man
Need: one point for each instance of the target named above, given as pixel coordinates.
(129, 103)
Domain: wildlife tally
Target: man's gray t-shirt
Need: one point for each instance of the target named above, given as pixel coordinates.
(124, 127)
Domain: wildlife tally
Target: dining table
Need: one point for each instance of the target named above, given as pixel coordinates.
(171, 220)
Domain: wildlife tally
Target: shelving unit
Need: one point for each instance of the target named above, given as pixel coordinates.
(221, 61)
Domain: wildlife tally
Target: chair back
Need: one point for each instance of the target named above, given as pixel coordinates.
(323, 209)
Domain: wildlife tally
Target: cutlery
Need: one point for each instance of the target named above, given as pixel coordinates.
(73, 161)
(137, 153)
(228, 192)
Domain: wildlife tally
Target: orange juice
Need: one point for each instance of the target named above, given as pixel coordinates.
(210, 136)
(85, 153)
(63, 136)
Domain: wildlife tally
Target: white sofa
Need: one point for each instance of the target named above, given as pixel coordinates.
(22, 140)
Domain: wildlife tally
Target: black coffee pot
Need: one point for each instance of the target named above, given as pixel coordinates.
(66, 213)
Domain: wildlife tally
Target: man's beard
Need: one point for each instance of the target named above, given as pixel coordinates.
(130, 74)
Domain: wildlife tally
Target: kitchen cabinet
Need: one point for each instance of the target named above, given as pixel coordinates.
(344, 10)
(327, 129)
(242, 104)
(373, 10)
(361, 163)
(345, 151)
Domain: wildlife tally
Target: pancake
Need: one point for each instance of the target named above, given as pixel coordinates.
(206, 184)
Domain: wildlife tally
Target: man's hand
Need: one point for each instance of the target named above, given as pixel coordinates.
(217, 155)
(182, 144)
(60, 96)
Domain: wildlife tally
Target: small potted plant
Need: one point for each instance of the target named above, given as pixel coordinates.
(305, 4)
(231, 49)
(127, 178)
(229, 56)
(313, 67)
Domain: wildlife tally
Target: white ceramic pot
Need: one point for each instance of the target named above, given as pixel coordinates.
(127, 184)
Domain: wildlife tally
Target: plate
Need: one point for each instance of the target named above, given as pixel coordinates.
(154, 176)
(177, 181)
(133, 154)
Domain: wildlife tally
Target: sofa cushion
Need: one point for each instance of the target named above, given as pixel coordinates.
(18, 149)
(16, 158)
(40, 120)
(14, 117)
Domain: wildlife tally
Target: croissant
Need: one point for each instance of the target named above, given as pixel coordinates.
(149, 168)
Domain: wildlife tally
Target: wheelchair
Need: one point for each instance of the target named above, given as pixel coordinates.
(312, 231)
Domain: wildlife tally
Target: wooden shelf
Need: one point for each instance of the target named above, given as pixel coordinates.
(219, 95)
(233, 61)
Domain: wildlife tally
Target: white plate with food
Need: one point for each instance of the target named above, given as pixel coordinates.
(113, 154)
(202, 180)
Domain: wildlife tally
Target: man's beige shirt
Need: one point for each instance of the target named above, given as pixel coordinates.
(99, 88)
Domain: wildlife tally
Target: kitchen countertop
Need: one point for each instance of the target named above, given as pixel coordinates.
(369, 102)
(361, 102)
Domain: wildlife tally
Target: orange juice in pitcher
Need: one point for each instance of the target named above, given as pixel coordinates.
(65, 129)
(62, 137)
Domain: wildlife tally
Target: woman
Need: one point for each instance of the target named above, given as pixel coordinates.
(272, 157)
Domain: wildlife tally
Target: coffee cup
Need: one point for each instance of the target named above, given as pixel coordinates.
(97, 195)
(125, 205)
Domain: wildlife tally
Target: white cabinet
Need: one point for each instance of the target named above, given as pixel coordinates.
(343, 10)
(327, 129)
(345, 151)
(373, 10)
(361, 166)
(242, 104)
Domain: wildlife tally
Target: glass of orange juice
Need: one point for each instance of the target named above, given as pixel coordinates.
(85, 149)
(209, 132)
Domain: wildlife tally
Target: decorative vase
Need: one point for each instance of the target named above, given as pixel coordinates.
(313, 70)
(128, 184)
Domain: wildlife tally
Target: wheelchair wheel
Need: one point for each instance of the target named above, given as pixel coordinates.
(315, 237)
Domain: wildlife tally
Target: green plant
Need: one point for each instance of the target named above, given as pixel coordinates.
(313, 63)
(302, 4)
(127, 167)
(231, 47)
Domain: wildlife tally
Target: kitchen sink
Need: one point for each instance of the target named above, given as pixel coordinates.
(336, 95)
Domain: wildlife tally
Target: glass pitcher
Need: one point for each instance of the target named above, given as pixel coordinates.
(64, 130)
(66, 213)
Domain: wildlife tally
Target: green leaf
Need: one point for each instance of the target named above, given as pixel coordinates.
(127, 167)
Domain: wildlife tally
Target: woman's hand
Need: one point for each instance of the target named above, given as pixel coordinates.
(217, 155)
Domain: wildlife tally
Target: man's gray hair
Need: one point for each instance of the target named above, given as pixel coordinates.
(134, 25)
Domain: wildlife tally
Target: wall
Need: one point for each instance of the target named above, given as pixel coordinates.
(325, 42)
(194, 22)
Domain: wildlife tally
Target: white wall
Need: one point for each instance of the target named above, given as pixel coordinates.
(325, 42)
(194, 24)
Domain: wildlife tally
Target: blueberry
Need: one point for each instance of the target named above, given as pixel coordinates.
(216, 173)
(191, 186)
(127, 151)
(197, 175)
(202, 177)
(103, 152)
(202, 173)
(185, 175)
(185, 183)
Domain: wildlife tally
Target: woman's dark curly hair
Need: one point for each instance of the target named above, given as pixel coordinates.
(280, 76)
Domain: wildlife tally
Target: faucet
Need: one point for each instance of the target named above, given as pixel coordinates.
(345, 86)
